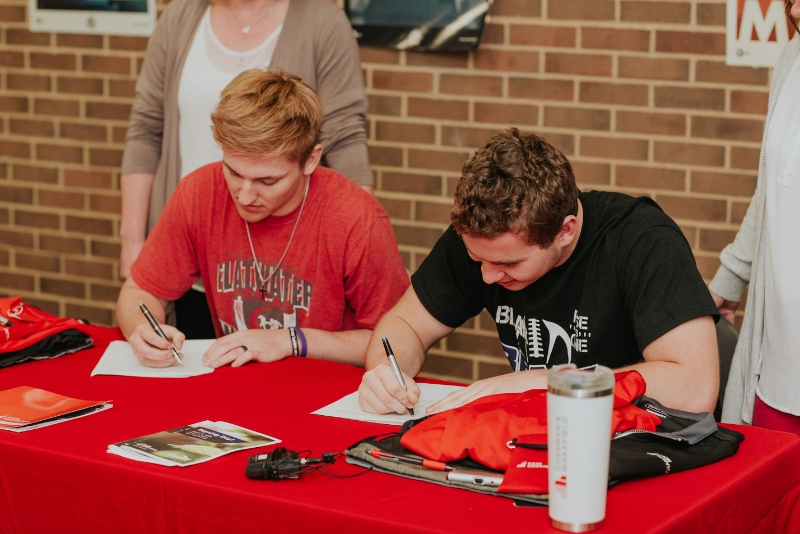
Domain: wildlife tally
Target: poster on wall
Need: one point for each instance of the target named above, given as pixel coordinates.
(757, 32)
(106, 17)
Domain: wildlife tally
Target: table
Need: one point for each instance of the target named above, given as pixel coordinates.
(60, 478)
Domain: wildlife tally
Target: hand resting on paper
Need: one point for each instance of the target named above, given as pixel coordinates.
(381, 392)
(510, 383)
(153, 350)
(262, 346)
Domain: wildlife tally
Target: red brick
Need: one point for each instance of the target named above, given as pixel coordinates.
(379, 55)
(37, 219)
(432, 59)
(439, 365)
(749, 102)
(83, 132)
(651, 123)
(28, 82)
(5, 258)
(466, 137)
(537, 35)
(578, 118)
(68, 245)
(506, 60)
(614, 93)
(98, 316)
(106, 64)
(35, 174)
(405, 132)
(434, 212)
(122, 88)
(45, 305)
(118, 134)
(715, 240)
(517, 8)
(16, 239)
(475, 344)
(745, 158)
(591, 173)
(105, 158)
(135, 44)
(738, 211)
(93, 179)
(541, 89)
(494, 34)
(564, 142)
(614, 147)
(711, 14)
(384, 155)
(740, 185)
(61, 199)
(65, 288)
(675, 12)
(65, 154)
(88, 225)
(690, 42)
(424, 184)
(396, 208)
(67, 108)
(104, 293)
(655, 69)
(75, 40)
(80, 86)
(416, 82)
(14, 104)
(25, 37)
(489, 370)
(690, 98)
(11, 59)
(615, 39)
(40, 60)
(699, 209)
(13, 13)
(416, 236)
(689, 153)
(650, 178)
(384, 105)
(16, 195)
(104, 249)
(585, 64)
(89, 269)
(581, 10)
(708, 267)
(718, 72)
(506, 113)
(17, 282)
(38, 262)
(31, 128)
(107, 110)
(471, 85)
(437, 160)
(457, 110)
(725, 128)
(15, 149)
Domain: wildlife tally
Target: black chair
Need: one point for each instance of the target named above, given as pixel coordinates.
(727, 336)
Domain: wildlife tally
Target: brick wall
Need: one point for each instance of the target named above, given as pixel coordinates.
(635, 93)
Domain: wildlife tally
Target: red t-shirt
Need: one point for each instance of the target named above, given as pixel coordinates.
(342, 271)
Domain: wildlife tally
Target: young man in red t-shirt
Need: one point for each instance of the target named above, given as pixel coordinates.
(295, 258)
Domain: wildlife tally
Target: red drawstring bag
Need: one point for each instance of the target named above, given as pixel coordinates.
(482, 429)
(26, 332)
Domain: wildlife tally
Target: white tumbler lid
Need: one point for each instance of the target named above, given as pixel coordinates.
(569, 381)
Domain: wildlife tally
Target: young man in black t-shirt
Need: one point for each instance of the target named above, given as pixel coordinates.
(569, 277)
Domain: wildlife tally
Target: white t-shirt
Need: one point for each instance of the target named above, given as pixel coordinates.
(779, 384)
(209, 67)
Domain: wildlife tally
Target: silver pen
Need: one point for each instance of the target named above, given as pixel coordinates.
(158, 330)
(479, 479)
(395, 367)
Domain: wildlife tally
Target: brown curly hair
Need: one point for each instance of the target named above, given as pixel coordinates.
(518, 182)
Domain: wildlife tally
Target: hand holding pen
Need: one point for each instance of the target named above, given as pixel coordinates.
(395, 367)
(154, 325)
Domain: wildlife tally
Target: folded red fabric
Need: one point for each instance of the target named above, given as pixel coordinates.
(482, 429)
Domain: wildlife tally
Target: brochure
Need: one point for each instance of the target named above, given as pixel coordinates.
(26, 408)
(192, 444)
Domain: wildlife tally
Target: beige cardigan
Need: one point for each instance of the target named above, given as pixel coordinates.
(316, 44)
(743, 262)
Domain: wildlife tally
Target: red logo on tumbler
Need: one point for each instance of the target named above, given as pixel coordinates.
(561, 486)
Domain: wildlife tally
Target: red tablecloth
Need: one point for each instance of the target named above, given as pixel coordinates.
(60, 478)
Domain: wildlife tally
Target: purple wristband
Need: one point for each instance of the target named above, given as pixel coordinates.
(302, 338)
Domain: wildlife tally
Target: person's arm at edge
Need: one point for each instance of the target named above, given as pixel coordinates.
(149, 348)
(411, 331)
(135, 189)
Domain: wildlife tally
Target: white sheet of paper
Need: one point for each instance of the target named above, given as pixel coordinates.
(118, 359)
(347, 407)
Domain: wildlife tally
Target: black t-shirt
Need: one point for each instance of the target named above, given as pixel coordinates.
(631, 278)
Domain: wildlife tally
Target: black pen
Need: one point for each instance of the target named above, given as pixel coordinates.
(395, 367)
(158, 330)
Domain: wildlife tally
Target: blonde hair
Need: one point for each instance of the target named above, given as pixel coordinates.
(268, 113)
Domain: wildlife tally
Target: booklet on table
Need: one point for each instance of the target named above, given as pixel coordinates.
(191, 444)
(25, 408)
